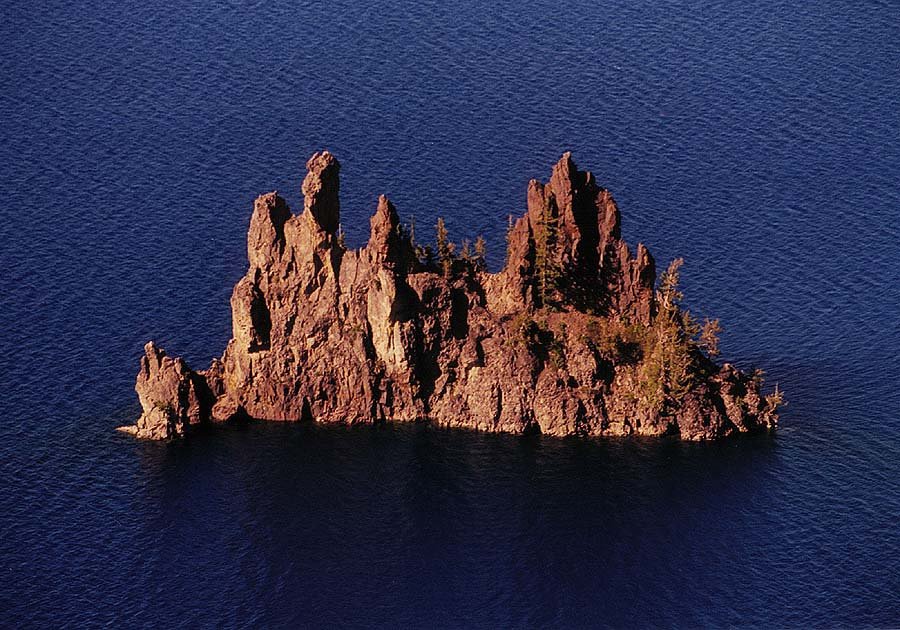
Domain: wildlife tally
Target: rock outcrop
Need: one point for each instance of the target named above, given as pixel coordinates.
(572, 336)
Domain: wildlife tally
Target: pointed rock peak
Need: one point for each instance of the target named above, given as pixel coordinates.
(155, 360)
(384, 238)
(265, 239)
(563, 183)
(567, 179)
(271, 199)
(386, 212)
(270, 208)
(565, 164)
(321, 191)
(565, 175)
(536, 200)
(154, 354)
(609, 221)
(643, 254)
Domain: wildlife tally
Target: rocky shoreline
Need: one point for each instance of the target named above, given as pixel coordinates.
(575, 335)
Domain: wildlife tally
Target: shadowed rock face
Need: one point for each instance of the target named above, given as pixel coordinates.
(570, 337)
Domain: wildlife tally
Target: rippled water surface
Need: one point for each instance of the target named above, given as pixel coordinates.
(759, 140)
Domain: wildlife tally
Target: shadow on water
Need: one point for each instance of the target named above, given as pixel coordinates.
(522, 530)
(327, 524)
(471, 526)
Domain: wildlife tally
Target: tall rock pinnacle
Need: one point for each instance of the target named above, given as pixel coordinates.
(321, 191)
(570, 337)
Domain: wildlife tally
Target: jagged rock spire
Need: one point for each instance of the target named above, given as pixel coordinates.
(321, 189)
(385, 244)
(266, 239)
(340, 335)
(595, 270)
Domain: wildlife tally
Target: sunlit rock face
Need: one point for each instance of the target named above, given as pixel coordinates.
(570, 337)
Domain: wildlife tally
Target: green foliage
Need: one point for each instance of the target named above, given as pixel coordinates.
(423, 253)
(466, 250)
(441, 235)
(688, 324)
(445, 249)
(547, 271)
(667, 371)
(669, 350)
(775, 400)
(540, 340)
(614, 339)
(556, 349)
(667, 353)
(480, 253)
(756, 377)
(523, 328)
(709, 337)
(165, 407)
(668, 294)
(509, 229)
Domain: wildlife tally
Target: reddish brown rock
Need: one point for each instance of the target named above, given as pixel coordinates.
(567, 339)
(172, 396)
(321, 191)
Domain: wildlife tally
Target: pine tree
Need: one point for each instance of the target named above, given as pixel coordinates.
(668, 370)
(775, 399)
(466, 252)
(668, 294)
(441, 237)
(709, 337)
(427, 256)
(444, 248)
(480, 253)
(546, 266)
(423, 254)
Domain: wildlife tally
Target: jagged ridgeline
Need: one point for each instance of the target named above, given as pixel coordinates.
(573, 336)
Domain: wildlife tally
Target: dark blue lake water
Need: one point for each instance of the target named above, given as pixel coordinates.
(759, 140)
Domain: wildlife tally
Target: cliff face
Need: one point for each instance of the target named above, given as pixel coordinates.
(572, 336)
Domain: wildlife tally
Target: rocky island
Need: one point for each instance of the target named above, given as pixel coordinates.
(575, 335)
